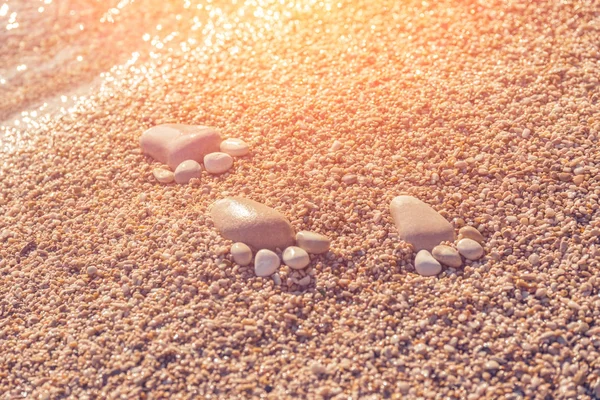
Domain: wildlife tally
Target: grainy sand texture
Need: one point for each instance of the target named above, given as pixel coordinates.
(116, 286)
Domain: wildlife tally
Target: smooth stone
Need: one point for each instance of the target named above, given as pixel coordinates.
(163, 175)
(313, 242)
(426, 265)
(235, 147)
(419, 224)
(187, 170)
(296, 257)
(470, 249)
(266, 263)
(471, 233)
(242, 254)
(172, 144)
(447, 256)
(217, 163)
(247, 221)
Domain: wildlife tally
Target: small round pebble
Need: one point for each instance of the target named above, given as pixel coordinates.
(92, 270)
(470, 233)
(295, 257)
(242, 254)
(266, 263)
(163, 175)
(447, 256)
(217, 163)
(187, 170)
(470, 249)
(235, 147)
(313, 242)
(426, 265)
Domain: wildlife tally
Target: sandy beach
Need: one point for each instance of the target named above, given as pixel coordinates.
(116, 286)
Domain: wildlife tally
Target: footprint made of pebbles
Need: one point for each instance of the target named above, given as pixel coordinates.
(183, 148)
(253, 225)
(425, 229)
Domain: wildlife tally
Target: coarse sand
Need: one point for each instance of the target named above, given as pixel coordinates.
(113, 285)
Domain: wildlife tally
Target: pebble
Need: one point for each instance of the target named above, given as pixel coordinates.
(337, 145)
(92, 270)
(471, 233)
(349, 179)
(250, 222)
(470, 249)
(217, 163)
(492, 365)
(419, 224)
(266, 263)
(426, 265)
(242, 254)
(235, 147)
(304, 281)
(172, 144)
(447, 256)
(187, 170)
(295, 257)
(313, 242)
(163, 175)
(534, 259)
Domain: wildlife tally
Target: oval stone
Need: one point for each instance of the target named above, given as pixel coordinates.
(419, 224)
(235, 147)
(471, 233)
(217, 163)
(172, 144)
(313, 242)
(241, 253)
(247, 221)
(426, 265)
(447, 255)
(187, 170)
(296, 257)
(266, 263)
(163, 175)
(470, 249)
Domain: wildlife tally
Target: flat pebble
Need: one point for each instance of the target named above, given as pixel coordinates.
(426, 265)
(217, 163)
(447, 256)
(235, 147)
(337, 145)
(250, 222)
(172, 144)
(349, 179)
(534, 259)
(242, 254)
(419, 224)
(295, 257)
(470, 233)
(163, 175)
(187, 170)
(266, 263)
(313, 242)
(470, 249)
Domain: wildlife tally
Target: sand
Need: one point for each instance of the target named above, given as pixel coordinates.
(116, 286)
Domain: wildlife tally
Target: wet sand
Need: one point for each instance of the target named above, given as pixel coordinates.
(115, 286)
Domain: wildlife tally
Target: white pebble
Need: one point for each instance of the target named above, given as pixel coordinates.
(447, 255)
(217, 163)
(337, 145)
(186, 171)
(426, 265)
(470, 249)
(471, 233)
(235, 147)
(266, 263)
(242, 254)
(163, 175)
(295, 257)
(312, 242)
